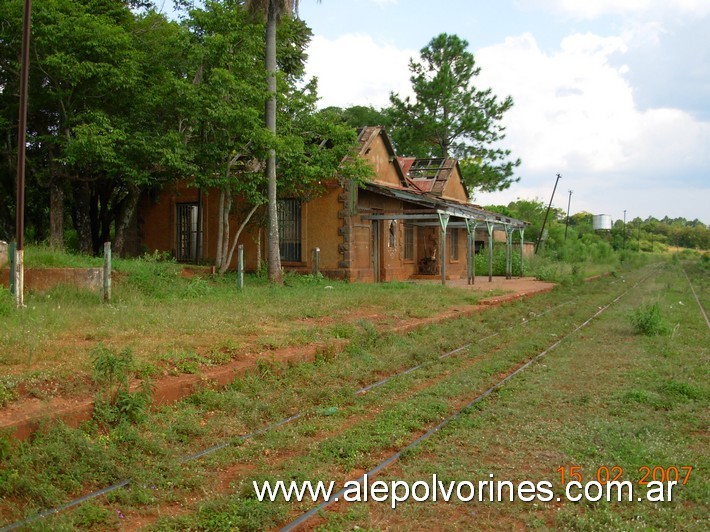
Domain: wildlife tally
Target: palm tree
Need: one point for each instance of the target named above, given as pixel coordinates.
(273, 10)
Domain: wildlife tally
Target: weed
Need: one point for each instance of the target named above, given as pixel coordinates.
(647, 320)
(184, 362)
(115, 403)
(682, 390)
(90, 516)
(111, 368)
(8, 390)
(196, 287)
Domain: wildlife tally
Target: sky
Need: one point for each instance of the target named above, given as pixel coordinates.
(614, 95)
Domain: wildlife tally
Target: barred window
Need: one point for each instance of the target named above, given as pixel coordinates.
(289, 214)
(186, 220)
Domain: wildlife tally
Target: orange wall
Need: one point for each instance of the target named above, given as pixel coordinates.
(383, 162)
(454, 189)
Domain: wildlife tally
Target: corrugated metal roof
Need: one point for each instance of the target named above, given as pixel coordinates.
(440, 205)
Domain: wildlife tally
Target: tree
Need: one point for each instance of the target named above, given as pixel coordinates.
(361, 115)
(450, 117)
(272, 11)
(100, 115)
(222, 94)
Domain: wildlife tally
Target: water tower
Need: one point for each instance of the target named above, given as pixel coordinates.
(602, 222)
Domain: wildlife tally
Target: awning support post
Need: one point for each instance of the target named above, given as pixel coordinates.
(522, 245)
(490, 226)
(508, 252)
(443, 221)
(471, 250)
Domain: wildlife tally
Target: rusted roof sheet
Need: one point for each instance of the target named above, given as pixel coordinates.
(436, 204)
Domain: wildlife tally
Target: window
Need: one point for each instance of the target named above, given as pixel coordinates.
(187, 239)
(408, 242)
(392, 242)
(289, 211)
(454, 244)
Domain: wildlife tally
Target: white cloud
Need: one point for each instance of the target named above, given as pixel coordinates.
(574, 113)
(573, 109)
(355, 70)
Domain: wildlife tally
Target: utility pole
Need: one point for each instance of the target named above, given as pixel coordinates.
(21, 143)
(542, 230)
(567, 222)
(639, 235)
(624, 228)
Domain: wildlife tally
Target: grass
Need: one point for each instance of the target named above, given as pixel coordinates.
(157, 314)
(268, 394)
(604, 397)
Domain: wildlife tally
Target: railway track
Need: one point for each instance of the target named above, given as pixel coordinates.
(461, 350)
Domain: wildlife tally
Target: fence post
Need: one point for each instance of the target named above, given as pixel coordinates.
(315, 262)
(107, 272)
(240, 266)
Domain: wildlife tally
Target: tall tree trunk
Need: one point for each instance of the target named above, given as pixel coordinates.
(124, 218)
(106, 211)
(82, 216)
(274, 254)
(258, 250)
(225, 239)
(236, 239)
(56, 216)
(220, 229)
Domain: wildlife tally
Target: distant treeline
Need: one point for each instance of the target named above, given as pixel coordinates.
(582, 241)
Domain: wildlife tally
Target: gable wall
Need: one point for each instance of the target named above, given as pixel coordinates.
(454, 189)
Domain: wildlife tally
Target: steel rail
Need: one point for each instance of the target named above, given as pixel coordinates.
(394, 457)
(243, 437)
(697, 299)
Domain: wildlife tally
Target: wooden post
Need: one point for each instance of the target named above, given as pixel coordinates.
(240, 266)
(315, 262)
(107, 272)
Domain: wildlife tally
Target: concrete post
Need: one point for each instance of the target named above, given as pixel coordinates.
(240, 266)
(315, 262)
(20, 277)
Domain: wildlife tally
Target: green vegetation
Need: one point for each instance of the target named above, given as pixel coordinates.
(584, 244)
(648, 320)
(123, 100)
(176, 319)
(605, 396)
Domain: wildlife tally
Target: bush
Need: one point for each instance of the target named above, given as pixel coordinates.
(498, 260)
(647, 320)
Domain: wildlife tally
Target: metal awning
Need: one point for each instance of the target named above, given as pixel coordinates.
(433, 208)
(435, 211)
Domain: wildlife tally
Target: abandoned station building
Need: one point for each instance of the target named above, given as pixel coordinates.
(414, 219)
